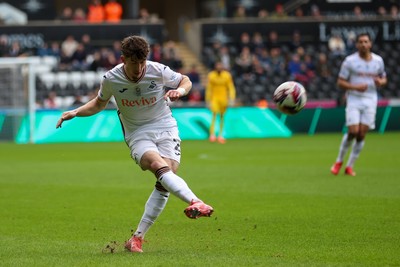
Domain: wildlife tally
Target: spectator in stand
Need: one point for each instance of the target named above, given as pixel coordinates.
(194, 75)
(52, 50)
(240, 12)
(55, 49)
(259, 72)
(113, 11)
(299, 13)
(16, 50)
(211, 54)
(116, 50)
(196, 96)
(44, 50)
(86, 40)
(309, 61)
(171, 55)
(96, 62)
(336, 45)
(264, 59)
(108, 60)
(394, 12)
(245, 41)
(52, 101)
(146, 17)
(279, 12)
(156, 53)
(277, 61)
(66, 14)
(293, 66)
(263, 14)
(68, 46)
(351, 43)
(382, 12)
(225, 57)
(296, 41)
(64, 63)
(78, 58)
(322, 69)
(273, 40)
(3, 45)
(301, 52)
(305, 75)
(357, 12)
(243, 63)
(315, 12)
(79, 15)
(257, 43)
(78, 101)
(95, 13)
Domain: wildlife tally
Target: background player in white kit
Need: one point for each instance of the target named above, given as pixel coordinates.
(150, 131)
(361, 74)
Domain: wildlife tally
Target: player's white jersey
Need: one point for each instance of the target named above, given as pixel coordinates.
(141, 104)
(359, 71)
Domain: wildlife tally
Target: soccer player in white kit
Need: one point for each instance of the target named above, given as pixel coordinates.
(361, 75)
(150, 130)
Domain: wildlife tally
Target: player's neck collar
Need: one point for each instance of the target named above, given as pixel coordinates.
(134, 80)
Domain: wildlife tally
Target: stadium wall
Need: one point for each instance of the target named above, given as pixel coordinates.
(243, 122)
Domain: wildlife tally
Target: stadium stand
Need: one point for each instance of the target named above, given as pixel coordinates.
(254, 81)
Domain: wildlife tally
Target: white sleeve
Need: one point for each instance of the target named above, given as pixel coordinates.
(344, 71)
(171, 78)
(105, 89)
(382, 72)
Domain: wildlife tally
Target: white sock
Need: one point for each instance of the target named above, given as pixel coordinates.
(153, 208)
(177, 186)
(355, 152)
(344, 147)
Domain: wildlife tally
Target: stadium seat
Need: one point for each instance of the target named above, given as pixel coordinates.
(75, 80)
(41, 68)
(51, 61)
(90, 79)
(48, 79)
(62, 81)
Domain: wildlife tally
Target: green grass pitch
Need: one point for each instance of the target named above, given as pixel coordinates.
(275, 201)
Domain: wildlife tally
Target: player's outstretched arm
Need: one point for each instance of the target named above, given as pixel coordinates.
(90, 108)
(183, 89)
(380, 81)
(346, 85)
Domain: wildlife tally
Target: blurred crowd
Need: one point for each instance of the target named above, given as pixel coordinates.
(97, 12)
(256, 58)
(311, 10)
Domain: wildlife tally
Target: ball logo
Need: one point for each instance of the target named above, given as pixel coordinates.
(280, 96)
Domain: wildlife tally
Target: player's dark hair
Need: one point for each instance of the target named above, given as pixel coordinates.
(363, 34)
(135, 48)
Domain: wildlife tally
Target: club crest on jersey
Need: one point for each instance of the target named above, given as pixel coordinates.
(152, 86)
(138, 92)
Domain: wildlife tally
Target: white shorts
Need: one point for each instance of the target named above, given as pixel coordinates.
(361, 111)
(166, 143)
